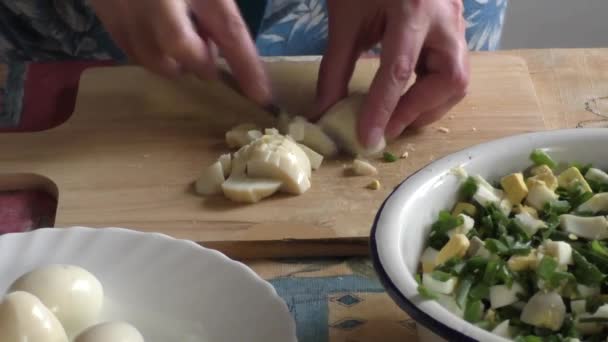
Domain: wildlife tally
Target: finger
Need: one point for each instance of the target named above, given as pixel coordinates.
(435, 114)
(177, 37)
(337, 65)
(401, 46)
(447, 79)
(223, 22)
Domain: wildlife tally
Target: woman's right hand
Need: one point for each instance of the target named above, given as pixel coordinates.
(172, 37)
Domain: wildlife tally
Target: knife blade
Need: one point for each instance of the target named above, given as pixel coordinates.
(228, 79)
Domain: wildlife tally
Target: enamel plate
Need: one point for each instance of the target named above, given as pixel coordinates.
(171, 290)
(404, 220)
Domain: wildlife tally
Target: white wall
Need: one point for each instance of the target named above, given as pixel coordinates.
(555, 24)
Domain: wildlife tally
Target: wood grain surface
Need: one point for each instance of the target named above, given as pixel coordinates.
(136, 142)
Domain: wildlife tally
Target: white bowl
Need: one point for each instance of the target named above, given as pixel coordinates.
(171, 290)
(404, 220)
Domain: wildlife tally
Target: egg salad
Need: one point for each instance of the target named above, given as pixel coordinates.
(526, 257)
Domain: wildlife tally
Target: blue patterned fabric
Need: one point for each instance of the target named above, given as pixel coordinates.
(299, 27)
(39, 30)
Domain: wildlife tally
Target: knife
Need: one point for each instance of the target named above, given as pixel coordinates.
(229, 80)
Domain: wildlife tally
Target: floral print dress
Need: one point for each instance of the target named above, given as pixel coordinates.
(41, 30)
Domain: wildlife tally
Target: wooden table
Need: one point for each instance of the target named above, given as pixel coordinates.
(571, 87)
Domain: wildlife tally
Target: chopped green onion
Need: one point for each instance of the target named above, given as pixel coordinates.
(489, 277)
(389, 157)
(480, 291)
(441, 276)
(593, 303)
(546, 267)
(597, 187)
(539, 157)
(585, 272)
(463, 292)
(468, 188)
(520, 249)
(426, 293)
(599, 248)
(557, 208)
(496, 247)
(474, 311)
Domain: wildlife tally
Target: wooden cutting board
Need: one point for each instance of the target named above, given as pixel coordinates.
(136, 142)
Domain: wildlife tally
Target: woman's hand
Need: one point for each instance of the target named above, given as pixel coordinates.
(172, 37)
(422, 36)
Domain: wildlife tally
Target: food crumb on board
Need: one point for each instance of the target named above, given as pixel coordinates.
(405, 155)
(451, 117)
(474, 129)
(374, 185)
(410, 147)
(443, 130)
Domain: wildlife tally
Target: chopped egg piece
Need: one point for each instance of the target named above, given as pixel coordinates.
(477, 248)
(211, 179)
(578, 306)
(314, 137)
(464, 208)
(597, 176)
(443, 287)
(340, 122)
(443, 130)
(271, 131)
(457, 246)
(592, 228)
(597, 203)
(465, 227)
(363, 168)
(275, 157)
(374, 185)
(238, 136)
(502, 295)
(561, 251)
(539, 194)
(249, 190)
(585, 291)
(529, 223)
(518, 209)
(518, 263)
(514, 187)
(545, 310)
(226, 162)
(503, 330)
(572, 177)
(315, 158)
(428, 259)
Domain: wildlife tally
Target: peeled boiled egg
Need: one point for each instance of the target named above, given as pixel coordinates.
(23, 317)
(72, 293)
(110, 331)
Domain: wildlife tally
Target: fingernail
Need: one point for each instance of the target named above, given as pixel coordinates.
(394, 132)
(374, 136)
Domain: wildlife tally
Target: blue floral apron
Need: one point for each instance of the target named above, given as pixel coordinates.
(42, 30)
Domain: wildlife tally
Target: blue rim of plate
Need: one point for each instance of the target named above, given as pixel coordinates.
(410, 308)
